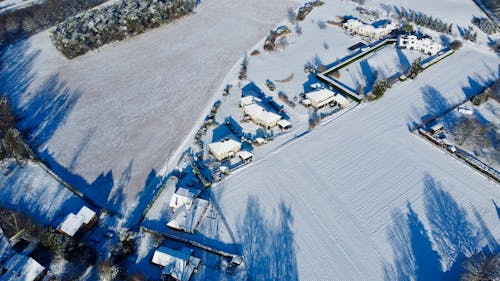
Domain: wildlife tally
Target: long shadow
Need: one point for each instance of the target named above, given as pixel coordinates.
(435, 105)
(268, 248)
(41, 112)
(435, 252)
(454, 235)
(403, 60)
(369, 74)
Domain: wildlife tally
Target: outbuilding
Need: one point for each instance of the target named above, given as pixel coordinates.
(246, 156)
(284, 124)
(320, 98)
(341, 100)
(224, 149)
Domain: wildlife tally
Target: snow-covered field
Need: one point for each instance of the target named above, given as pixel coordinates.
(339, 192)
(106, 120)
(35, 192)
(362, 198)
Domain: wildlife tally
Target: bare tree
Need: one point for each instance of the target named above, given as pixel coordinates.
(481, 267)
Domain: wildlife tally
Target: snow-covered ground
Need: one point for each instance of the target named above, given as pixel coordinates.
(338, 192)
(106, 120)
(35, 192)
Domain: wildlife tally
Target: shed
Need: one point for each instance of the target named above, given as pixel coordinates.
(436, 128)
(224, 149)
(21, 268)
(178, 265)
(341, 100)
(284, 124)
(466, 111)
(245, 155)
(320, 97)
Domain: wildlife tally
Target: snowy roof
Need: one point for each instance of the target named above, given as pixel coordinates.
(183, 196)
(341, 99)
(177, 264)
(22, 268)
(187, 219)
(224, 146)
(320, 95)
(284, 123)
(257, 112)
(72, 222)
(244, 101)
(86, 213)
(245, 155)
(187, 192)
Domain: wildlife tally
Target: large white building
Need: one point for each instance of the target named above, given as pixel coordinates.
(424, 45)
(224, 149)
(259, 114)
(376, 30)
(323, 97)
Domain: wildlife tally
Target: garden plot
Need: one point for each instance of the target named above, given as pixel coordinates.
(475, 130)
(381, 64)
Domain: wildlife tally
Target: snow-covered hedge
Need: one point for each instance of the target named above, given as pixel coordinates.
(92, 29)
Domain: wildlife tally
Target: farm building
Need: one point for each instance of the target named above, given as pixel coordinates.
(261, 116)
(22, 268)
(85, 218)
(224, 149)
(320, 98)
(178, 265)
(424, 45)
(183, 196)
(376, 30)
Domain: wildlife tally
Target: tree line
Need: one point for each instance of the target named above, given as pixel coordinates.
(21, 23)
(92, 29)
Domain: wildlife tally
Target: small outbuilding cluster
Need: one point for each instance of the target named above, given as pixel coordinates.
(424, 45)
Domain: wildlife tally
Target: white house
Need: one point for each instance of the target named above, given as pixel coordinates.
(73, 223)
(320, 98)
(187, 217)
(224, 149)
(261, 116)
(424, 45)
(376, 30)
(21, 268)
(178, 265)
(183, 196)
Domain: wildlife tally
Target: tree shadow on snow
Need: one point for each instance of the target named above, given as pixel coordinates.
(39, 113)
(268, 247)
(436, 252)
